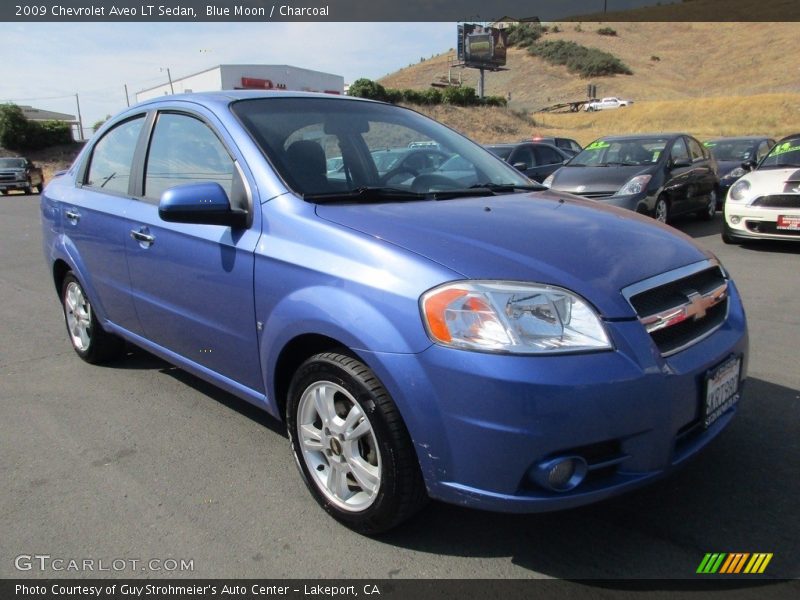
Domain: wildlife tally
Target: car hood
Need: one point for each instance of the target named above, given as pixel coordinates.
(774, 181)
(596, 179)
(549, 238)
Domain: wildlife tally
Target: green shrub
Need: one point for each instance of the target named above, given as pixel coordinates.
(18, 133)
(587, 62)
(495, 101)
(366, 88)
(607, 31)
(460, 96)
(524, 34)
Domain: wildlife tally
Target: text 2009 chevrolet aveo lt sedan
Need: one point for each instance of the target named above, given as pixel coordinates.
(478, 341)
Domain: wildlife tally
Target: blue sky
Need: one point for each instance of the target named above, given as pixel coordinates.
(53, 61)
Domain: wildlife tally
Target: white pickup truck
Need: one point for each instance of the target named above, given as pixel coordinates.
(607, 103)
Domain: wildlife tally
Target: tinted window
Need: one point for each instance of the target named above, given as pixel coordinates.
(523, 155)
(547, 156)
(695, 150)
(679, 151)
(183, 149)
(110, 163)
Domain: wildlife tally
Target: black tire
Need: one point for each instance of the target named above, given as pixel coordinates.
(728, 237)
(100, 346)
(707, 214)
(40, 187)
(400, 490)
(661, 209)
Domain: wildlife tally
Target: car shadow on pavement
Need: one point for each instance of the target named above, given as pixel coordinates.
(739, 495)
(692, 226)
(137, 358)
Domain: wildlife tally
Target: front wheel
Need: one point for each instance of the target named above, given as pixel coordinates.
(351, 445)
(661, 210)
(90, 341)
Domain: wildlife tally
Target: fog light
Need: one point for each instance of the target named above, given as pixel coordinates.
(560, 474)
(735, 220)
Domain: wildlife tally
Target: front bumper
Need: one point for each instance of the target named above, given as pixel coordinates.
(641, 203)
(14, 185)
(480, 422)
(758, 222)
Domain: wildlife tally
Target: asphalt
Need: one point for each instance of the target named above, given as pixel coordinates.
(138, 460)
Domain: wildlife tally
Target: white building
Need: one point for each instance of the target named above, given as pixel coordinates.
(249, 77)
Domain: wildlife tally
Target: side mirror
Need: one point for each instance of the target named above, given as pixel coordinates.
(201, 204)
(683, 162)
(749, 165)
(520, 166)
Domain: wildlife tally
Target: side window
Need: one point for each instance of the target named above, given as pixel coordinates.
(547, 156)
(523, 155)
(679, 151)
(695, 150)
(575, 147)
(763, 148)
(110, 163)
(183, 149)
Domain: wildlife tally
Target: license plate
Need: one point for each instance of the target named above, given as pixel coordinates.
(722, 389)
(790, 223)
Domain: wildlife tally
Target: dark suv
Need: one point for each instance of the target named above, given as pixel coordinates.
(18, 173)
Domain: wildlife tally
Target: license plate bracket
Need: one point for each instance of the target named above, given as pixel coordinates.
(722, 389)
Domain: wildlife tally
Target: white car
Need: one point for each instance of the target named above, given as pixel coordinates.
(765, 203)
(607, 103)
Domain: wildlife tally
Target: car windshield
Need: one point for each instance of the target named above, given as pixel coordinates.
(732, 150)
(380, 146)
(12, 163)
(784, 154)
(627, 152)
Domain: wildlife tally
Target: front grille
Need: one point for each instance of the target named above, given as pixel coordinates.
(778, 201)
(594, 195)
(681, 311)
(8, 177)
(769, 227)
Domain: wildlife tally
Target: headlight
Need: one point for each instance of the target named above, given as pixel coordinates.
(739, 190)
(522, 318)
(635, 186)
(736, 173)
(548, 182)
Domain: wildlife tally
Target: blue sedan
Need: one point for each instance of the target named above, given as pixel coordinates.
(474, 339)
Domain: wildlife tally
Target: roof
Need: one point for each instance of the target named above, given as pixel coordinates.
(741, 138)
(227, 96)
(639, 136)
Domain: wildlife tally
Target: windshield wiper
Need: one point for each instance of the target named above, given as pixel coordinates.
(366, 194)
(499, 188)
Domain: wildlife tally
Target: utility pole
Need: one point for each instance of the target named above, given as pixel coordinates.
(169, 76)
(127, 100)
(80, 120)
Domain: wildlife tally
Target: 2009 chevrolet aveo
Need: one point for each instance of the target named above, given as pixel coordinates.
(469, 338)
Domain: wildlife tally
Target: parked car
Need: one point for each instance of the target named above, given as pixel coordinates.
(488, 346)
(535, 160)
(736, 156)
(661, 175)
(19, 173)
(568, 145)
(765, 203)
(606, 104)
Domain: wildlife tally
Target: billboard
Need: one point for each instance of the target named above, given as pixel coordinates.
(481, 47)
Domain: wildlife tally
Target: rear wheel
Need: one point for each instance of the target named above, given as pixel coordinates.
(40, 187)
(90, 341)
(351, 444)
(707, 214)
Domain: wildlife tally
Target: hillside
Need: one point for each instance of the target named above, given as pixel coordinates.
(694, 60)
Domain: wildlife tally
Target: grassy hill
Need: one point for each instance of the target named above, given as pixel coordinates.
(670, 61)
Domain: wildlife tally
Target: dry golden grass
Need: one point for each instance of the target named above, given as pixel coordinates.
(695, 60)
(774, 115)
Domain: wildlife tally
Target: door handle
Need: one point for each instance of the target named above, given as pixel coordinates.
(73, 216)
(142, 237)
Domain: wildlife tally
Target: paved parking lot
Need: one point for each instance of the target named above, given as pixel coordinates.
(139, 461)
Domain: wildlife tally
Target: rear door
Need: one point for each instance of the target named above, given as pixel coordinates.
(94, 219)
(193, 284)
